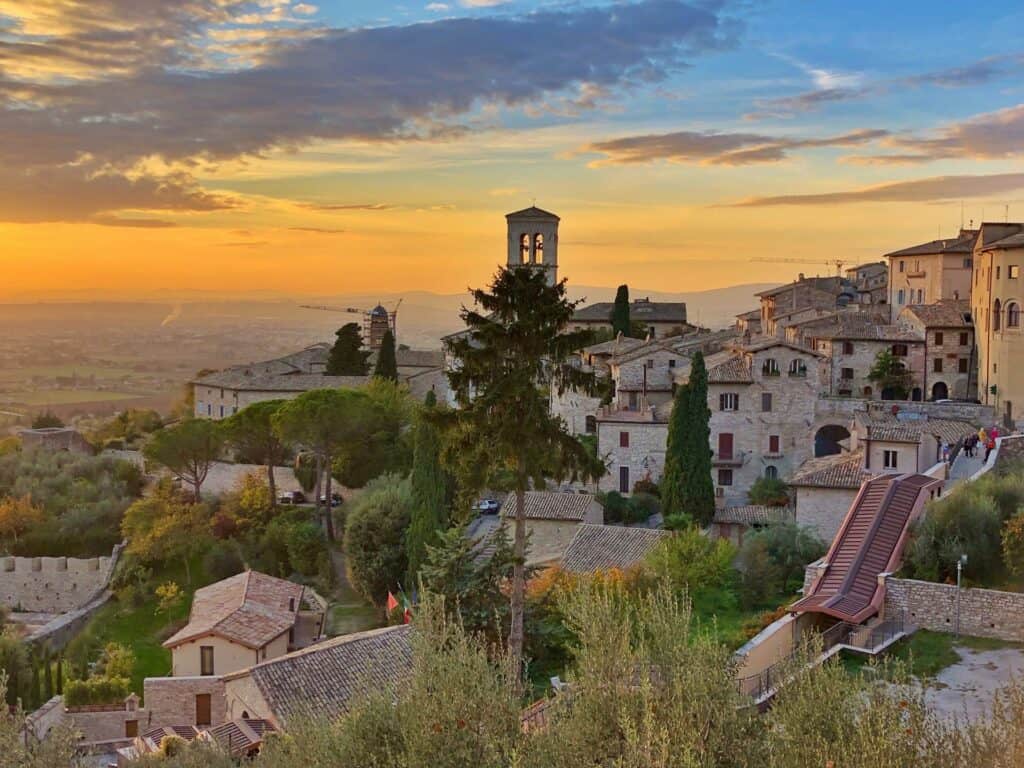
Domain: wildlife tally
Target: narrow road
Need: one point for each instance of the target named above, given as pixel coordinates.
(348, 612)
(964, 467)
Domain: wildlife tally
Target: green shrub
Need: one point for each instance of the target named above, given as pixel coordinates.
(306, 547)
(96, 690)
(648, 486)
(769, 491)
(698, 565)
(616, 507)
(222, 561)
(772, 561)
(375, 537)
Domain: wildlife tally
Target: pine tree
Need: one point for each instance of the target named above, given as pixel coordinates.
(698, 492)
(620, 312)
(672, 479)
(429, 485)
(347, 356)
(387, 364)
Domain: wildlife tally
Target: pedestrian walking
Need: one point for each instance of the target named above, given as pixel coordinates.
(989, 446)
(945, 451)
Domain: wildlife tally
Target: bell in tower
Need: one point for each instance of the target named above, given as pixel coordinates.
(533, 241)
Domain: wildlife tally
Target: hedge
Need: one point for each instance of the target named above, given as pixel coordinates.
(96, 690)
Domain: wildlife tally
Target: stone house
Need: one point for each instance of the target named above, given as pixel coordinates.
(748, 324)
(56, 439)
(802, 299)
(950, 357)
(904, 442)
(552, 519)
(632, 444)
(241, 621)
(824, 488)
(661, 318)
(604, 547)
(932, 271)
(732, 523)
(871, 281)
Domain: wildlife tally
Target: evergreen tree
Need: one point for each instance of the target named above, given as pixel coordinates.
(48, 672)
(251, 432)
(620, 313)
(516, 351)
(387, 364)
(347, 356)
(60, 674)
(672, 479)
(429, 485)
(697, 492)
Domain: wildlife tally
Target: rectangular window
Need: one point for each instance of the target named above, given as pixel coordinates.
(1013, 271)
(964, 339)
(766, 402)
(623, 479)
(209, 409)
(899, 350)
(847, 347)
(206, 660)
(773, 444)
(998, 270)
(903, 266)
(889, 459)
(728, 401)
(650, 365)
(131, 729)
(222, 411)
(938, 338)
(672, 363)
(846, 373)
(963, 365)
(937, 365)
(725, 477)
(623, 439)
(900, 294)
(725, 445)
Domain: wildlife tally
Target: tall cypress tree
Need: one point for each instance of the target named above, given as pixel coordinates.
(387, 363)
(698, 492)
(672, 478)
(429, 485)
(620, 312)
(47, 672)
(347, 356)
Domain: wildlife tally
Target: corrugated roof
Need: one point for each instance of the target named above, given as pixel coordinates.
(841, 470)
(549, 505)
(754, 514)
(601, 547)
(251, 609)
(326, 679)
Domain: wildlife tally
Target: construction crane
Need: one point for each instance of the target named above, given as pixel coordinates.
(375, 321)
(837, 263)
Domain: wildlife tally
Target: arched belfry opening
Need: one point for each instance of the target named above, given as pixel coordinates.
(533, 241)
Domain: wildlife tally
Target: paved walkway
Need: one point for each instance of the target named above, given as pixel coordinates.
(964, 467)
(967, 688)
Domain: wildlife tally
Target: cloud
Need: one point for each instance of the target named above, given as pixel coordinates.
(151, 89)
(711, 148)
(117, 221)
(347, 206)
(318, 230)
(916, 191)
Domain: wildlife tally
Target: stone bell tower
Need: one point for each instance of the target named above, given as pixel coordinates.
(533, 241)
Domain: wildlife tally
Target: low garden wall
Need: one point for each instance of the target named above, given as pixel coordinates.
(983, 612)
(59, 632)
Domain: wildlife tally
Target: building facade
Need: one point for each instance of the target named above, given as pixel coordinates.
(929, 272)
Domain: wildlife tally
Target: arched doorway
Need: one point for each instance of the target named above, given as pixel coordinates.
(826, 440)
(940, 391)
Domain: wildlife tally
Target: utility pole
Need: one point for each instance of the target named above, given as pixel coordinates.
(959, 571)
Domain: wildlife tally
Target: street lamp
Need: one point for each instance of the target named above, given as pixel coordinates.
(960, 563)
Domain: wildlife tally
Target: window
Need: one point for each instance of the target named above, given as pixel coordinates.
(963, 365)
(773, 444)
(623, 439)
(1013, 271)
(650, 365)
(206, 660)
(591, 425)
(889, 459)
(846, 374)
(868, 392)
(998, 270)
(938, 338)
(1013, 315)
(920, 296)
(997, 316)
(623, 479)
(725, 477)
(222, 411)
(291, 640)
(900, 293)
(899, 350)
(672, 363)
(937, 365)
(728, 401)
(771, 472)
(725, 446)
(199, 406)
(209, 409)
(766, 402)
(964, 339)
(291, 604)
(770, 367)
(847, 347)
(917, 265)
(538, 249)
(131, 729)
(524, 249)
(903, 268)
(797, 367)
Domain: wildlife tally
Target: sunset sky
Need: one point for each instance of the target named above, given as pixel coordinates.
(354, 145)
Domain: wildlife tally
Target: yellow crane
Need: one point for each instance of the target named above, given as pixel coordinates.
(375, 321)
(837, 263)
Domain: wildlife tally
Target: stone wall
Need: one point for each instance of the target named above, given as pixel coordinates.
(823, 509)
(983, 612)
(172, 700)
(107, 723)
(58, 632)
(53, 584)
(645, 454)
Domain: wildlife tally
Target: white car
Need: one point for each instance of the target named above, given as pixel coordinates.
(487, 506)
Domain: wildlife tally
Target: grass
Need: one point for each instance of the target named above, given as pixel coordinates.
(142, 629)
(67, 396)
(924, 653)
(987, 644)
(69, 369)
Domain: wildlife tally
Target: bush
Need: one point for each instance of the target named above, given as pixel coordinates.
(636, 509)
(307, 548)
(1013, 544)
(375, 537)
(772, 561)
(769, 491)
(648, 486)
(96, 690)
(698, 565)
(222, 561)
(117, 661)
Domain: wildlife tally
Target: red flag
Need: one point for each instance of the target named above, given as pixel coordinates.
(392, 602)
(407, 615)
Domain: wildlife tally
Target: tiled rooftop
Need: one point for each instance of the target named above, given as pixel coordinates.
(600, 547)
(842, 470)
(754, 514)
(549, 505)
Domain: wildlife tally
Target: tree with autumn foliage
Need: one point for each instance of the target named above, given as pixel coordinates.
(17, 517)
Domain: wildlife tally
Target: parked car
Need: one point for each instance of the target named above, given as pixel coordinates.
(487, 506)
(335, 499)
(291, 497)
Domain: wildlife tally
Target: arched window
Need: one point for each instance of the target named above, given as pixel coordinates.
(538, 249)
(591, 425)
(1013, 315)
(771, 472)
(797, 367)
(524, 249)
(868, 392)
(770, 367)
(997, 316)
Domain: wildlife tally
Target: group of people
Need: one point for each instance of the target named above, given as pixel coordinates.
(984, 437)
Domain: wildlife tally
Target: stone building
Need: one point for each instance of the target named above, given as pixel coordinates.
(824, 489)
(929, 272)
(803, 299)
(661, 318)
(871, 282)
(55, 439)
(733, 523)
(748, 324)
(950, 357)
(552, 519)
(996, 299)
(533, 241)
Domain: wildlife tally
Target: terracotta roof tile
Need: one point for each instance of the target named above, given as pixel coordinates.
(551, 505)
(842, 470)
(948, 313)
(600, 547)
(754, 514)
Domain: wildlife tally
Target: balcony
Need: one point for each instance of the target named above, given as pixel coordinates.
(734, 459)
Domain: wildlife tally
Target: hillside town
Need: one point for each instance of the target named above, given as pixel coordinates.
(842, 425)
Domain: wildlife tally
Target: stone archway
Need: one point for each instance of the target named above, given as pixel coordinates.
(826, 439)
(940, 391)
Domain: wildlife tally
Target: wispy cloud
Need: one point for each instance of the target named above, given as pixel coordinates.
(916, 191)
(318, 230)
(710, 148)
(347, 206)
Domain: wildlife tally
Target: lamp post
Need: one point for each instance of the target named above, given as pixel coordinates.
(960, 563)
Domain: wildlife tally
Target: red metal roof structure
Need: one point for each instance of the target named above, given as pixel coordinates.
(870, 542)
